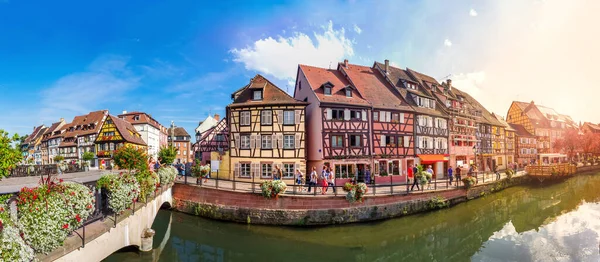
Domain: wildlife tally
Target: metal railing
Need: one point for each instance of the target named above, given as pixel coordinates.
(44, 170)
(380, 185)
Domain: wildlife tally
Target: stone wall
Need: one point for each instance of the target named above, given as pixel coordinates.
(320, 210)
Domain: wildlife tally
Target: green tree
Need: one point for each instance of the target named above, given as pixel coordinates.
(88, 156)
(10, 154)
(131, 158)
(167, 155)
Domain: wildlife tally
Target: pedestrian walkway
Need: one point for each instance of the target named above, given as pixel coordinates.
(14, 184)
(379, 189)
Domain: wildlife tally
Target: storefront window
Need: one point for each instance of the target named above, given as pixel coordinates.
(344, 170)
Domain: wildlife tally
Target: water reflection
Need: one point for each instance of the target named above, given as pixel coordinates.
(518, 224)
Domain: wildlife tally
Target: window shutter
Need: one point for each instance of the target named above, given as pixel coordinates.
(364, 115)
(429, 121)
(280, 116)
(274, 141)
(258, 141)
(297, 119)
(431, 143)
(406, 141)
(328, 114)
(419, 143)
(236, 169)
(346, 114)
(279, 140)
(297, 140)
(401, 117)
(253, 141)
(382, 140)
(237, 140)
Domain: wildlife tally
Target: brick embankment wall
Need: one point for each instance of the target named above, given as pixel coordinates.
(321, 210)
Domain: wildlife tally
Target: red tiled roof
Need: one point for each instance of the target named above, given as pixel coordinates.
(179, 131)
(534, 114)
(125, 128)
(317, 76)
(36, 133)
(271, 94)
(143, 118)
(374, 88)
(50, 130)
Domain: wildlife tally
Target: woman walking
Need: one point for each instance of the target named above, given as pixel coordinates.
(331, 180)
(299, 179)
(312, 181)
(323, 179)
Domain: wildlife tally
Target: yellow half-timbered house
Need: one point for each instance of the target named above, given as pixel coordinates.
(114, 134)
(267, 130)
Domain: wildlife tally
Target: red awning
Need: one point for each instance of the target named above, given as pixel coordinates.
(432, 158)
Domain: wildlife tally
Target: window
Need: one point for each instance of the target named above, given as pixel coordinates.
(266, 170)
(337, 114)
(136, 118)
(375, 116)
(245, 118)
(327, 90)
(424, 142)
(288, 141)
(395, 117)
(344, 170)
(266, 142)
(288, 117)
(337, 141)
(112, 133)
(288, 170)
(185, 145)
(220, 138)
(266, 117)
(355, 115)
(390, 140)
(355, 140)
(348, 92)
(245, 169)
(111, 146)
(257, 95)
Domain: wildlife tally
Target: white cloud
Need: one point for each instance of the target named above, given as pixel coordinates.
(280, 57)
(472, 12)
(447, 42)
(106, 80)
(357, 29)
(469, 82)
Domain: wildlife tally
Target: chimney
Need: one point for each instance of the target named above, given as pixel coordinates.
(62, 119)
(346, 63)
(532, 102)
(217, 117)
(387, 66)
(449, 83)
(124, 111)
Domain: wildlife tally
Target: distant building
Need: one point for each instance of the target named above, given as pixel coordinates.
(46, 145)
(181, 140)
(526, 145)
(214, 144)
(207, 123)
(590, 128)
(116, 133)
(31, 146)
(150, 130)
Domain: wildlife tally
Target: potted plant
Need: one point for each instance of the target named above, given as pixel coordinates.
(272, 188)
(469, 181)
(199, 171)
(422, 176)
(355, 192)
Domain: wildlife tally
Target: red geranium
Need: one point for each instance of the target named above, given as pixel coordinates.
(65, 226)
(78, 218)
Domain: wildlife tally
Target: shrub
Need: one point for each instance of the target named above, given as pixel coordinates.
(438, 202)
(122, 190)
(167, 175)
(148, 182)
(167, 155)
(199, 170)
(131, 158)
(88, 156)
(356, 192)
(10, 155)
(272, 189)
(422, 176)
(12, 245)
(50, 212)
(59, 158)
(509, 173)
(469, 181)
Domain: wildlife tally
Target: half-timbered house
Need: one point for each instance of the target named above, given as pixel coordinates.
(526, 146)
(338, 121)
(391, 122)
(45, 142)
(116, 133)
(214, 144)
(533, 120)
(267, 130)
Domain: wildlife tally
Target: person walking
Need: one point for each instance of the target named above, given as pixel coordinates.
(312, 180)
(331, 180)
(324, 186)
(180, 169)
(430, 171)
(415, 182)
(409, 174)
(450, 174)
(151, 164)
(368, 175)
(299, 179)
(458, 171)
(497, 173)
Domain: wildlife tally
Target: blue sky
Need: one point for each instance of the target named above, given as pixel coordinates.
(180, 60)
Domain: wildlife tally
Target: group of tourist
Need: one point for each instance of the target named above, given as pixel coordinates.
(324, 180)
(182, 169)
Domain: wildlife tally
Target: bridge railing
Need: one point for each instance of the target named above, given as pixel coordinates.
(44, 170)
(387, 185)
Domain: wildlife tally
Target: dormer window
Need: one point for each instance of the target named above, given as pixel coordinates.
(328, 90)
(348, 92)
(136, 118)
(257, 95)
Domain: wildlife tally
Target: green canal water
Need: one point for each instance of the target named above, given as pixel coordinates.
(559, 222)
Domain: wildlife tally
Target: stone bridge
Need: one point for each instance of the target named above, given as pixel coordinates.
(103, 238)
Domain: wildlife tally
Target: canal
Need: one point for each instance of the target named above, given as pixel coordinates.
(559, 222)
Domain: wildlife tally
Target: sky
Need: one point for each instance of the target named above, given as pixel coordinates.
(181, 60)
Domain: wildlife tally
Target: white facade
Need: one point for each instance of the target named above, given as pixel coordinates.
(206, 124)
(150, 135)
